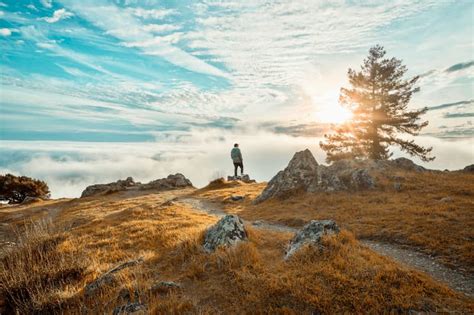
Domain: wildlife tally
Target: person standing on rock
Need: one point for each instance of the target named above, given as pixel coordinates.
(236, 156)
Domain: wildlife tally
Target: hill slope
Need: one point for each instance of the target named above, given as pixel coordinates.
(49, 269)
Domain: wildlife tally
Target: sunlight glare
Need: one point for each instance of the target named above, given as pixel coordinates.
(334, 114)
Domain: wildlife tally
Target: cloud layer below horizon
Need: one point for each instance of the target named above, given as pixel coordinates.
(68, 167)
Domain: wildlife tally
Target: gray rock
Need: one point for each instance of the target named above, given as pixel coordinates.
(101, 189)
(171, 182)
(168, 183)
(227, 231)
(361, 179)
(108, 278)
(237, 198)
(131, 308)
(407, 164)
(244, 178)
(298, 175)
(469, 168)
(304, 174)
(311, 234)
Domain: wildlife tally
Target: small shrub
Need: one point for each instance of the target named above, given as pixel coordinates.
(16, 188)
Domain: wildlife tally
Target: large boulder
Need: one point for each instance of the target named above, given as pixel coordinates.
(311, 234)
(303, 173)
(300, 174)
(227, 231)
(100, 189)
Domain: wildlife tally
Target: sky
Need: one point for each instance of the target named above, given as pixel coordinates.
(96, 90)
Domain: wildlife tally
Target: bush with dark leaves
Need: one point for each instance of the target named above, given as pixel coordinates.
(16, 188)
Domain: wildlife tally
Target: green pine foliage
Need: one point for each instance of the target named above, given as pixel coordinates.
(378, 98)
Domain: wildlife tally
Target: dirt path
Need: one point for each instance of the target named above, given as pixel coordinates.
(209, 208)
(408, 257)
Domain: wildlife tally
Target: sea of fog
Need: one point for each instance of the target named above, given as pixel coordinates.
(68, 167)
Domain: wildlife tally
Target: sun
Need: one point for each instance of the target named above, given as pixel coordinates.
(333, 113)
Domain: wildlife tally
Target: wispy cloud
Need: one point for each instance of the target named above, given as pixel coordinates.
(123, 25)
(458, 115)
(5, 32)
(58, 15)
(166, 70)
(160, 28)
(447, 105)
(47, 3)
(460, 66)
(32, 7)
(151, 13)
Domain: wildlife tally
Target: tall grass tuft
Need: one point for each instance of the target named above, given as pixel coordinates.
(41, 273)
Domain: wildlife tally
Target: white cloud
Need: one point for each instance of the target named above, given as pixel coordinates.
(151, 13)
(124, 26)
(47, 3)
(58, 15)
(51, 45)
(158, 40)
(160, 28)
(5, 32)
(32, 7)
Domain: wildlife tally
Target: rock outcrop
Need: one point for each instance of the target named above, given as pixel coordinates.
(469, 168)
(311, 234)
(170, 182)
(226, 232)
(100, 189)
(303, 173)
(407, 164)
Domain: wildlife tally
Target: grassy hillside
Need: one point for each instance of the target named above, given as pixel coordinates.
(433, 212)
(51, 264)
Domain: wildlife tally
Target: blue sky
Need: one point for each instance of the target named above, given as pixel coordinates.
(208, 73)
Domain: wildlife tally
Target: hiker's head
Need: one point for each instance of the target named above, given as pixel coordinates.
(236, 145)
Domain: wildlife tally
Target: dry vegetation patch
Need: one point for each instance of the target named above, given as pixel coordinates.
(434, 211)
(340, 276)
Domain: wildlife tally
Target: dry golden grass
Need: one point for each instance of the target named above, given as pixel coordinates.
(415, 216)
(92, 235)
(41, 271)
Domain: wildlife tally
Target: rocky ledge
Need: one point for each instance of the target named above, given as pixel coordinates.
(168, 183)
(303, 173)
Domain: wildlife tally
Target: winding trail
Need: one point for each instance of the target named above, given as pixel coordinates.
(405, 256)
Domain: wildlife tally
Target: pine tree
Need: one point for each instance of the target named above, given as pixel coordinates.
(378, 99)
